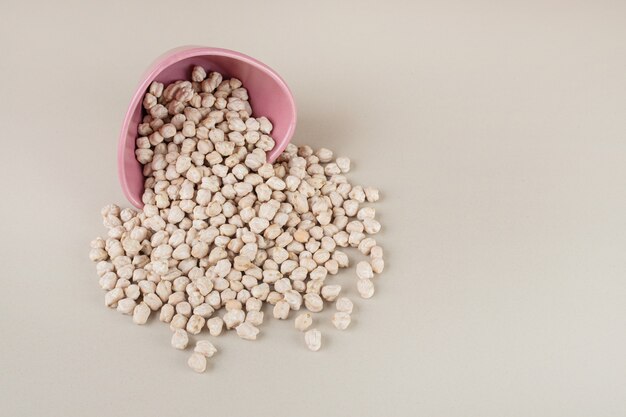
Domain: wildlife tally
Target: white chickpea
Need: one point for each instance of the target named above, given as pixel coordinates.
(141, 313)
(247, 331)
(215, 326)
(180, 339)
(313, 339)
(365, 287)
(197, 362)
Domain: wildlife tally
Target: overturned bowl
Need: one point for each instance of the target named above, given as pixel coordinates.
(269, 97)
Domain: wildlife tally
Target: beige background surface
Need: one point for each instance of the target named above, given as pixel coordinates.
(496, 131)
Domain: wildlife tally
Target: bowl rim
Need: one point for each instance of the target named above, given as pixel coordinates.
(171, 57)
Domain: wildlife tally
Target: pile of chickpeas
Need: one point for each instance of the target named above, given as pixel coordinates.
(223, 232)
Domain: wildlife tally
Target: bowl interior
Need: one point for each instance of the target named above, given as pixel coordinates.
(269, 96)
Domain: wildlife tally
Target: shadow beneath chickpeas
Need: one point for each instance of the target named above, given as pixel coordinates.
(209, 365)
(153, 318)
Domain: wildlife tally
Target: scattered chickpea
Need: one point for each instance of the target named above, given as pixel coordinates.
(341, 320)
(313, 339)
(215, 326)
(365, 287)
(180, 339)
(205, 348)
(364, 270)
(303, 321)
(344, 305)
(141, 313)
(247, 331)
(197, 362)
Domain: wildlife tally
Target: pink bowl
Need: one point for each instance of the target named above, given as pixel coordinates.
(269, 96)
